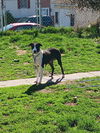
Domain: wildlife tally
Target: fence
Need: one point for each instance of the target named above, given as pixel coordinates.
(24, 11)
(46, 13)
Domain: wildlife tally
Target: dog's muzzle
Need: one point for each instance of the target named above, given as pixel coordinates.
(35, 51)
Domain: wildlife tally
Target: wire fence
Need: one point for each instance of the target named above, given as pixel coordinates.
(46, 13)
(24, 11)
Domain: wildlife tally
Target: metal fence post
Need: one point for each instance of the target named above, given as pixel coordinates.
(2, 15)
(40, 12)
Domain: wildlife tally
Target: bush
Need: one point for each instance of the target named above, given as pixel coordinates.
(61, 30)
(7, 33)
(94, 30)
(33, 32)
(14, 39)
(10, 18)
(89, 32)
(49, 30)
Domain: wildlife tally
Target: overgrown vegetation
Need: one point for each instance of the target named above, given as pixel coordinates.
(93, 4)
(9, 18)
(69, 108)
(80, 53)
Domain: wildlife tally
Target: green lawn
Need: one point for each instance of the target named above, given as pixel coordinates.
(73, 107)
(79, 54)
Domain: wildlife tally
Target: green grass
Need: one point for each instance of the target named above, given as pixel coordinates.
(79, 54)
(69, 108)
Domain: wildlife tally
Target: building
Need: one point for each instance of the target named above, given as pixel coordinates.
(24, 8)
(63, 12)
(20, 8)
(85, 17)
(68, 14)
(45, 7)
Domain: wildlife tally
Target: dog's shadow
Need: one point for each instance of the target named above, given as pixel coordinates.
(39, 87)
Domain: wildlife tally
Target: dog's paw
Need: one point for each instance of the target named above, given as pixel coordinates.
(51, 76)
(63, 76)
(37, 83)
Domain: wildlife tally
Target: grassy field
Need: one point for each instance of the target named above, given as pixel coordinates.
(78, 54)
(69, 108)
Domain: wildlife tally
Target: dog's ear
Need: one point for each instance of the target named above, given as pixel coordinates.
(39, 44)
(31, 44)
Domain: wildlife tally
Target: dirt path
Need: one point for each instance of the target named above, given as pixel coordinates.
(31, 81)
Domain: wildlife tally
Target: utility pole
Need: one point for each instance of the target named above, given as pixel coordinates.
(4, 12)
(2, 15)
(39, 11)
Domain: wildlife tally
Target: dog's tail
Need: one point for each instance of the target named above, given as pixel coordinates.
(62, 51)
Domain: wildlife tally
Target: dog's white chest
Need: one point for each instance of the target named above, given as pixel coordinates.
(38, 59)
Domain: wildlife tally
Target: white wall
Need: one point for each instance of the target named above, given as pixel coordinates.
(12, 6)
(63, 15)
(86, 17)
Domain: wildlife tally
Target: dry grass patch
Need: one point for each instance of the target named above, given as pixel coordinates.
(21, 52)
(26, 63)
(46, 91)
(70, 104)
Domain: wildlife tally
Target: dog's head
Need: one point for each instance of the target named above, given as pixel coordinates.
(35, 47)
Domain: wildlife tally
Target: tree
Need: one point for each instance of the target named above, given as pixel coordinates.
(94, 4)
(9, 18)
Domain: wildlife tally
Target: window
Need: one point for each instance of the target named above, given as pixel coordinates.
(24, 27)
(23, 3)
(56, 17)
(7, 27)
(45, 11)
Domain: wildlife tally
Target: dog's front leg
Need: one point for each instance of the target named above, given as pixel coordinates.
(37, 74)
(40, 74)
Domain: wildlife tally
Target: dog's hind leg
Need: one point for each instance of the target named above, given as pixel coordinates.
(52, 67)
(60, 63)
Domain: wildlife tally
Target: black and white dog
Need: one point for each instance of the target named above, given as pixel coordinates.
(42, 58)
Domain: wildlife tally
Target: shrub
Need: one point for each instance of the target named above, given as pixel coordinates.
(33, 32)
(7, 33)
(89, 32)
(64, 30)
(61, 30)
(14, 39)
(10, 18)
(79, 32)
(94, 31)
(49, 30)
